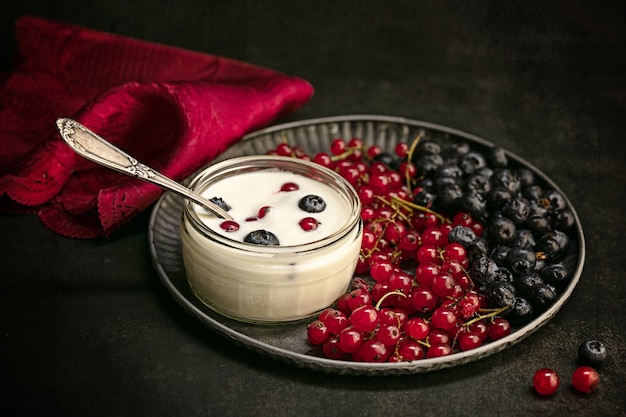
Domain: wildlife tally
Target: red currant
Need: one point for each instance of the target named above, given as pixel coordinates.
(284, 149)
(229, 226)
(416, 328)
(388, 334)
(317, 332)
(309, 224)
(499, 328)
(323, 159)
(358, 298)
(350, 339)
(469, 340)
(337, 146)
(585, 379)
(443, 319)
(424, 299)
(331, 348)
(410, 350)
(289, 186)
(334, 320)
(364, 318)
(381, 270)
(546, 381)
(438, 350)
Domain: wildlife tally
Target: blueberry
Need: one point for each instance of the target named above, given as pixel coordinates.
(501, 230)
(500, 294)
(526, 282)
(521, 312)
(506, 179)
(474, 203)
(553, 244)
(219, 201)
(556, 274)
(478, 248)
(521, 260)
(523, 239)
(424, 198)
(542, 296)
(261, 237)
(312, 203)
(483, 270)
(497, 157)
(517, 209)
(461, 234)
(472, 162)
(499, 253)
(592, 352)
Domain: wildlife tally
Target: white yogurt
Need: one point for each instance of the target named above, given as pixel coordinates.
(307, 272)
(248, 193)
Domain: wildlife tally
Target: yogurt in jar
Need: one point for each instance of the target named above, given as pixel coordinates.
(270, 200)
(304, 271)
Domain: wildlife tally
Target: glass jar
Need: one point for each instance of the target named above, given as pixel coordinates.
(268, 284)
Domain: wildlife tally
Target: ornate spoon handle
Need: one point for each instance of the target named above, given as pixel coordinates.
(95, 148)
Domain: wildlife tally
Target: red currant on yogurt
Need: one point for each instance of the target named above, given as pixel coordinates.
(229, 226)
(309, 224)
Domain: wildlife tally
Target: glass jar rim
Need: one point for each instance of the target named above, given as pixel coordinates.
(253, 163)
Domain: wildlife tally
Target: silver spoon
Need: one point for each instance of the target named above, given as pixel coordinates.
(95, 148)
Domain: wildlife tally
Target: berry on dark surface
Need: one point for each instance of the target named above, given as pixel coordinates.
(546, 381)
(585, 379)
(219, 201)
(261, 237)
(592, 352)
(312, 204)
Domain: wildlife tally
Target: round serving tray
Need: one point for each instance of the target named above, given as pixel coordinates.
(288, 342)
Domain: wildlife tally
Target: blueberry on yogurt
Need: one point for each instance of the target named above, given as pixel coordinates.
(261, 237)
(312, 203)
(219, 201)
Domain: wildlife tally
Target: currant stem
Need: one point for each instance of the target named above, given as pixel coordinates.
(409, 156)
(492, 313)
(390, 293)
(402, 202)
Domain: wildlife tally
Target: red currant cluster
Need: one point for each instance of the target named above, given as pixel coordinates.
(418, 300)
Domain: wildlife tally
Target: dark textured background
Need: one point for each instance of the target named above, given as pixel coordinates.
(87, 329)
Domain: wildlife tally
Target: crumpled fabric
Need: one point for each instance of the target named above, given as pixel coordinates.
(173, 109)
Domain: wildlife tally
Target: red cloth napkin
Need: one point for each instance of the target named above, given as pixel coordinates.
(173, 109)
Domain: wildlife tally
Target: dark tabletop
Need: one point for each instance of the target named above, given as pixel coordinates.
(87, 328)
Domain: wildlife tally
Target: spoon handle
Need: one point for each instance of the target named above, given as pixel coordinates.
(95, 148)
